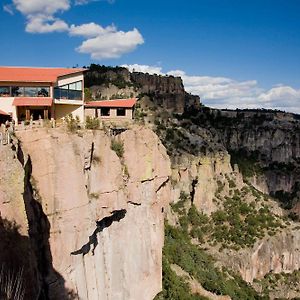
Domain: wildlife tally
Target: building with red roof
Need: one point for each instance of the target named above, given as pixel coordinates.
(118, 109)
(32, 93)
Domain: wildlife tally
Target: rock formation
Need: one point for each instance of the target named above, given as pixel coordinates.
(165, 91)
(96, 218)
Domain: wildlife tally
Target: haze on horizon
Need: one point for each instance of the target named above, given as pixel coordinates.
(233, 54)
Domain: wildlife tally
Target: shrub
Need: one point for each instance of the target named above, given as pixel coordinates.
(232, 184)
(92, 123)
(179, 250)
(183, 196)
(118, 147)
(72, 123)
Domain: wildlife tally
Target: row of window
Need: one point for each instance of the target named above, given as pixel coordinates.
(71, 91)
(105, 111)
(75, 86)
(24, 91)
(67, 94)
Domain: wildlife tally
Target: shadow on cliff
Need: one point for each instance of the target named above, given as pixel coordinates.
(50, 284)
(115, 216)
(15, 263)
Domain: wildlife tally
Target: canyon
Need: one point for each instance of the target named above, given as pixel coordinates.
(91, 210)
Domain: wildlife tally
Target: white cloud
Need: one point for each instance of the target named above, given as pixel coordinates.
(100, 42)
(90, 30)
(111, 44)
(45, 24)
(40, 14)
(32, 7)
(222, 92)
(143, 68)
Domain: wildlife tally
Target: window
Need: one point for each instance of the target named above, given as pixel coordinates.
(4, 91)
(121, 112)
(43, 91)
(105, 111)
(17, 91)
(30, 91)
(71, 91)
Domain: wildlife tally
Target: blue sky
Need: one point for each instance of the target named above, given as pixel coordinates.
(232, 53)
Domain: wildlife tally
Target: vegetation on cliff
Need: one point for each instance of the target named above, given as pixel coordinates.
(236, 224)
(179, 250)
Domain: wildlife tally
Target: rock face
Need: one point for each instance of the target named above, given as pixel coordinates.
(197, 177)
(16, 250)
(11, 189)
(277, 254)
(99, 216)
(274, 139)
(165, 91)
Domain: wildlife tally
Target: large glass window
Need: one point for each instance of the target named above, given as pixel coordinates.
(4, 91)
(30, 91)
(17, 91)
(71, 91)
(43, 91)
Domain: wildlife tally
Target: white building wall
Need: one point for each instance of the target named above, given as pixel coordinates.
(69, 79)
(6, 106)
(62, 110)
(65, 107)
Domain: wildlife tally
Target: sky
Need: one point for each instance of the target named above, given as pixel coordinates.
(232, 53)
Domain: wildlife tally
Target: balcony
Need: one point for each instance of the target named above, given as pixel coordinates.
(67, 96)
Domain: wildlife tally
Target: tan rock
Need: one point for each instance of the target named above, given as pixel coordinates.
(77, 193)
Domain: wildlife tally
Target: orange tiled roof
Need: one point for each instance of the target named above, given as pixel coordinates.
(124, 103)
(33, 101)
(27, 74)
(3, 113)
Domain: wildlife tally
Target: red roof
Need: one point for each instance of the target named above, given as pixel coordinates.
(30, 101)
(124, 103)
(24, 74)
(3, 113)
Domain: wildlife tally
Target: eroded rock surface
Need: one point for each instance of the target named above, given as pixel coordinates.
(81, 182)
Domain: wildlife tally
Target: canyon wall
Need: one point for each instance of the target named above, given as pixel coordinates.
(165, 91)
(201, 178)
(95, 218)
(276, 254)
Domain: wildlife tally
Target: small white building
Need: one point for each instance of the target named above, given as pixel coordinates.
(45, 93)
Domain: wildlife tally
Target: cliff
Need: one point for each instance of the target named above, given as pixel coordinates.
(165, 91)
(226, 165)
(94, 218)
(88, 208)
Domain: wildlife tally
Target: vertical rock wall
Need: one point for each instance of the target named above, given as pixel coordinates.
(105, 212)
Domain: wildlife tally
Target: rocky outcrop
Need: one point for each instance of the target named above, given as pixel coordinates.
(96, 217)
(203, 178)
(17, 254)
(273, 138)
(165, 91)
(11, 189)
(198, 177)
(276, 254)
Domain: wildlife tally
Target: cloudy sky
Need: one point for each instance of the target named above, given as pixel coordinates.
(232, 53)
